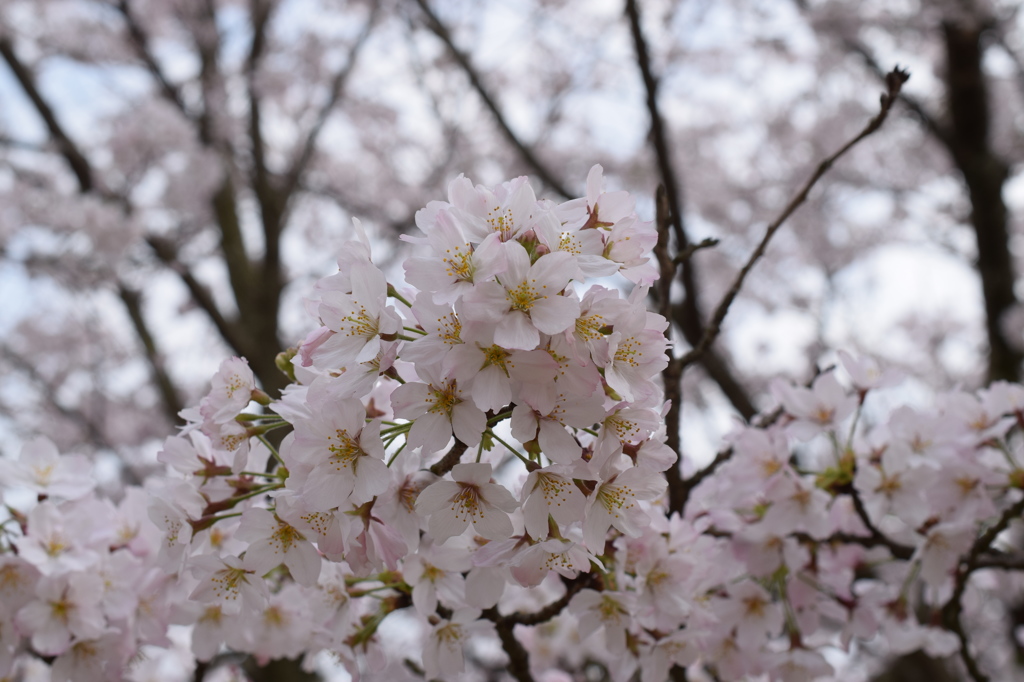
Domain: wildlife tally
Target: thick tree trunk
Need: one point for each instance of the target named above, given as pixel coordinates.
(984, 174)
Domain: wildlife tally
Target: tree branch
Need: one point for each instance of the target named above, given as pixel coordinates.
(541, 170)
(446, 463)
(93, 432)
(953, 609)
(68, 149)
(168, 393)
(894, 81)
(293, 177)
(688, 315)
(167, 254)
(141, 43)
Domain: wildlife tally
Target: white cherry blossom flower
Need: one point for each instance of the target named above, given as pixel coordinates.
(273, 542)
(65, 607)
(615, 503)
(442, 650)
(41, 469)
(528, 299)
(470, 498)
(550, 492)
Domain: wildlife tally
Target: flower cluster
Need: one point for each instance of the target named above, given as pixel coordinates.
(79, 580)
(483, 448)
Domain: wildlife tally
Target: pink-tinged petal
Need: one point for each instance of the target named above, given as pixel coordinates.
(557, 443)
(517, 262)
(431, 432)
(523, 423)
(555, 314)
(311, 344)
(490, 259)
(409, 401)
(493, 524)
(595, 528)
(474, 473)
(368, 351)
(499, 496)
(536, 518)
(486, 303)
(515, 331)
(326, 488)
(304, 563)
(468, 423)
(438, 495)
(553, 271)
(424, 597)
(445, 524)
(595, 179)
(372, 478)
(492, 390)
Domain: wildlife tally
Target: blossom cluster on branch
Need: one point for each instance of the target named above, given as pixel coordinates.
(482, 450)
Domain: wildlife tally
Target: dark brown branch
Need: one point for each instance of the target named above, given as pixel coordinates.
(1007, 562)
(69, 150)
(93, 432)
(165, 251)
(451, 458)
(953, 609)
(894, 82)
(293, 177)
(168, 394)
(519, 657)
(984, 173)
(141, 43)
(672, 375)
(917, 107)
(688, 315)
(876, 536)
(687, 486)
(259, 293)
(539, 168)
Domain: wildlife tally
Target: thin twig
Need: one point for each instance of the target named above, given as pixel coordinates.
(539, 168)
(132, 300)
(953, 609)
(687, 316)
(448, 462)
(80, 166)
(895, 80)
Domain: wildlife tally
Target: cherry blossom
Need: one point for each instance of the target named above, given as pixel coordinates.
(470, 498)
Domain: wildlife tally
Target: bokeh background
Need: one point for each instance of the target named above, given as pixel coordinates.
(175, 174)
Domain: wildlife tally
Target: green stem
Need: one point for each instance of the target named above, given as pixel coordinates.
(499, 417)
(393, 293)
(273, 450)
(853, 425)
(509, 448)
(396, 430)
(415, 330)
(397, 452)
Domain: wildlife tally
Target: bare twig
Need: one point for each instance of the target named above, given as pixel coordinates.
(539, 168)
(672, 375)
(451, 458)
(953, 608)
(142, 47)
(687, 315)
(68, 149)
(166, 252)
(894, 82)
(168, 394)
(93, 432)
(293, 176)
